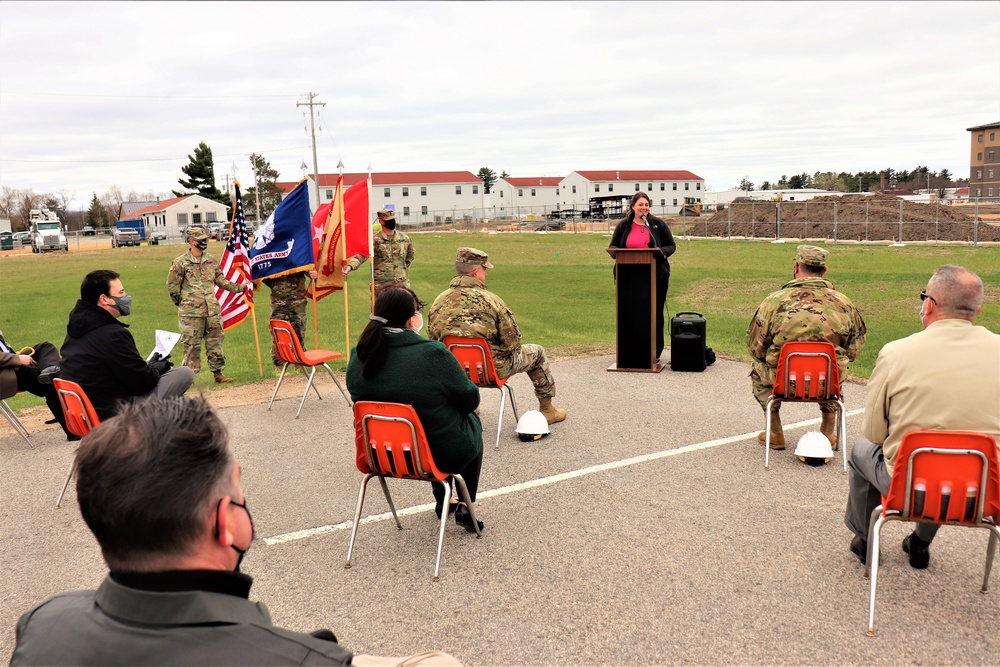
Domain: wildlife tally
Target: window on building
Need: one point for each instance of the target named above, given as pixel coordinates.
(663, 202)
(636, 187)
(475, 189)
(423, 190)
(687, 186)
(979, 174)
(979, 192)
(980, 138)
(991, 174)
(520, 192)
(501, 194)
(597, 187)
(406, 211)
(993, 136)
(989, 192)
(675, 190)
(406, 192)
(992, 155)
(663, 186)
(386, 192)
(196, 218)
(182, 220)
(697, 186)
(675, 202)
(423, 210)
(574, 189)
(458, 189)
(611, 187)
(979, 156)
(533, 189)
(210, 216)
(329, 194)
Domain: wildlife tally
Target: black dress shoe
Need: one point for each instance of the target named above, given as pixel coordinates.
(918, 551)
(464, 518)
(860, 547)
(439, 503)
(46, 374)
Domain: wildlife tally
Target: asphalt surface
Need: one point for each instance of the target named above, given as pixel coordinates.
(644, 530)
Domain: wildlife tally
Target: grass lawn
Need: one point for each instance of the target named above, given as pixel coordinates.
(559, 286)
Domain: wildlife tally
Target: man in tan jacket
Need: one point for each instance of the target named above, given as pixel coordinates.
(945, 377)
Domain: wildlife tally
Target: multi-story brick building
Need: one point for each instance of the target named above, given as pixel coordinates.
(984, 161)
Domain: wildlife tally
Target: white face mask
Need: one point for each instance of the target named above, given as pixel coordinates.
(420, 326)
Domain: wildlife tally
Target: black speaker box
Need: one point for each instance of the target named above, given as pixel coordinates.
(687, 342)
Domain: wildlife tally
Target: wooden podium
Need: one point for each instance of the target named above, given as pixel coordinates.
(635, 299)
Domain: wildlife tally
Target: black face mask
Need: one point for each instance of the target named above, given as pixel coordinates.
(389, 224)
(253, 533)
(201, 245)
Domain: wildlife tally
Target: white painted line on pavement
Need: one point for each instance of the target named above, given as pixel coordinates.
(543, 481)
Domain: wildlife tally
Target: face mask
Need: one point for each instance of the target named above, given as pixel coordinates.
(421, 325)
(253, 533)
(389, 224)
(201, 245)
(122, 303)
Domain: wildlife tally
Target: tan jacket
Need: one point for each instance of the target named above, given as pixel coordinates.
(946, 377)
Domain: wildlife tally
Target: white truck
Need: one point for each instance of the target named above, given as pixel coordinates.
(46, 231)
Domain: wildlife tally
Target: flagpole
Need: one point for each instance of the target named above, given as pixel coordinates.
(343, 253)
(256, 340)
(312, 284)
(371, 251)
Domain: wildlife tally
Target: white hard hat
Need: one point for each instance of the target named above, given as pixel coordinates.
(814, 448)
(532, 426)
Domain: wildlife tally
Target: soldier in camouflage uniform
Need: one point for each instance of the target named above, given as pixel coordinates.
(469, 309)
(807, 308)
(191, 283)
(288, 302)
(392, 255)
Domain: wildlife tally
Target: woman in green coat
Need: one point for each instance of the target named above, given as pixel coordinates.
(394, 363)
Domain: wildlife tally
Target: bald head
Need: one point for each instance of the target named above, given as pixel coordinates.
(958, 292)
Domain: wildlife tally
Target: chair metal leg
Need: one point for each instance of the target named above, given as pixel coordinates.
(513, 401)
(342, 392)
(991, 551)
(873, 560)
(443, 521)
(503, 400)
(388, 499)
(308, 385)
(871, 526)
(357, 518)
(69, 476)
(463, 494)
(315, 388)
(280, 378)
(842, 431)
(767, 433)
(12, 417)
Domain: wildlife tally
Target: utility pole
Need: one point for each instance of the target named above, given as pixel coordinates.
(312, 127)
(256, 192)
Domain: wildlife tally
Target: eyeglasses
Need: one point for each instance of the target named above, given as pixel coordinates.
(924, 296)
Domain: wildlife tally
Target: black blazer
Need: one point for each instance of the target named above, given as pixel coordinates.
(659, 237)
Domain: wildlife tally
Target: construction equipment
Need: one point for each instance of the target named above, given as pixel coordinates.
(691, 206)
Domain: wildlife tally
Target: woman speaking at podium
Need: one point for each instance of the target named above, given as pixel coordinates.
(639, 229)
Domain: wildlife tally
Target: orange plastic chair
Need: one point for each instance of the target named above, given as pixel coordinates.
(390, 442)
(289, 350)
(15, 421)
(950, 478)
(81, 418)
(474, 356)
(807, 373)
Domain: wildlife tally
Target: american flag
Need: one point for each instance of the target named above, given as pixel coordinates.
(235, 265)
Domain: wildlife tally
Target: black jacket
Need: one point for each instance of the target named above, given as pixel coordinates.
(99, 354)
(659, 237)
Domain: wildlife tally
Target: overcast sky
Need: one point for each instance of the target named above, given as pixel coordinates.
(95, 94)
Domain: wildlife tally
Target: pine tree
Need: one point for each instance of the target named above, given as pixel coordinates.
(201, 176)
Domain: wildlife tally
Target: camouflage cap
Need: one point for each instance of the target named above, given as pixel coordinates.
(196, 233)
(473, 256)
(386, 214)
(810, 255)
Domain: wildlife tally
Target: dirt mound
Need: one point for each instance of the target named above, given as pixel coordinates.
(850, 217)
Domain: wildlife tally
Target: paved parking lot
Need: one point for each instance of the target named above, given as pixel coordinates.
(643, 531)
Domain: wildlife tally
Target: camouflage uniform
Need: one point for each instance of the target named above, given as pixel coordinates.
(288, 302)
(392, 258)
(467, 308)
(806, 309)
(191, 283)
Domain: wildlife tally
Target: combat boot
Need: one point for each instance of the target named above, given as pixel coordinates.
(552, 413)
(220, 378)
(777, 435)
(829, 428)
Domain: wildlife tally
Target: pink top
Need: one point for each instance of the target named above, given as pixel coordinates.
(638, 236)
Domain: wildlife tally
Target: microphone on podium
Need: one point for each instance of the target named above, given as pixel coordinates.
(644, 221)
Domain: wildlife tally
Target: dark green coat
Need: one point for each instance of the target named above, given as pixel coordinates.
(424, 374)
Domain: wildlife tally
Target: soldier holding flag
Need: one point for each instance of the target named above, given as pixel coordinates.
(392, 255)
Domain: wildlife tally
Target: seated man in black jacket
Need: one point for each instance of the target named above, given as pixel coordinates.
(159, 486)
(99, 352)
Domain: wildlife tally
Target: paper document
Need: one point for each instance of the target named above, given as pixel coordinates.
(165, 341)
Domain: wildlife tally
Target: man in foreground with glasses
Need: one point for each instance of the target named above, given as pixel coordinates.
(807, 308)
(946, 377)
(159, 486)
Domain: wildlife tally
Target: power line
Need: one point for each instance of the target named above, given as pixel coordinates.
(151, 97)
(152, 159)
